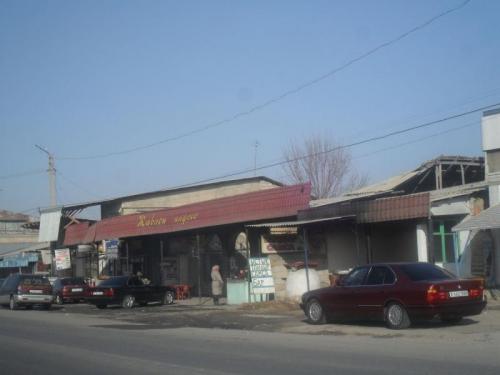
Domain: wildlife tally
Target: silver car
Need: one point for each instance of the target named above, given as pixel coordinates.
(23, 290)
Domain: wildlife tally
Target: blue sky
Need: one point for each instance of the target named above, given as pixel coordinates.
(92, 77)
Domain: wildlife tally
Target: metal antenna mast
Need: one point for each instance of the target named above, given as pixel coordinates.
(256, 145)
(52, 176)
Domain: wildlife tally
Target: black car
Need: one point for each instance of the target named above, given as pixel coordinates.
(69, 289)
(26, 290)
(127, 291)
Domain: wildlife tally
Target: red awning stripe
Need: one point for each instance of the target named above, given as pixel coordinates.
(262, 205)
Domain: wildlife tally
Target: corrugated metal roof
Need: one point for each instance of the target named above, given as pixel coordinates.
(458, 191)
(487, 219)
(393, 184)
(32, 247)
(279, 202)
(397, 208)
(298, 222)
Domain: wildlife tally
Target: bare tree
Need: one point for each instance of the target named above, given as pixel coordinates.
(321, 160)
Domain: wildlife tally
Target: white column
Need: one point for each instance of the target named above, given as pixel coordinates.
(422, 243)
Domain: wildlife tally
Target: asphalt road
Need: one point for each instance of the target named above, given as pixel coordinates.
(53, 342)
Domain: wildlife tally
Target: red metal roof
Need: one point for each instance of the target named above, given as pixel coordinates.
(403, 207)
(261, 205)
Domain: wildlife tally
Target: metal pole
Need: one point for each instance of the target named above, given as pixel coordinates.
(306, 250)
(52, 176)
(247, 276)
(199, 266)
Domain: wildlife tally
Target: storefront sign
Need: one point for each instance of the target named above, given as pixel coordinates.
(111, 248)
(183, 219)
(152, 221)
(281, 243)
(63, 259)
(261, 275)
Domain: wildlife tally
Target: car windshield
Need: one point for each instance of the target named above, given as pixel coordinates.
(425, 271)
(73, 281)
(114, 281)
(34, 281)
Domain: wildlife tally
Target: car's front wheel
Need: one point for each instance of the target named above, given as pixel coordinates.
(315, 312)
(101, 306)
(396, 316)
(168, 298)
(128, 302)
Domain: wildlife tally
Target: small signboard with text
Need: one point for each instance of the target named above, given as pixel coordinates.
(63, 259)
(111, 248)
(261, 275)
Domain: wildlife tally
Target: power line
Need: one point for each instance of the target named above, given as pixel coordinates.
(279, 97)
(77, 185)
(418, 140)
(353, 144)
(22, 174)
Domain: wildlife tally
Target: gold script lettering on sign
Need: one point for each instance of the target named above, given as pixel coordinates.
(183, 219)
(152, 221)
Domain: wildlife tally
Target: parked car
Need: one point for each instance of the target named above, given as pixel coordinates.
(128, 291)
(1, 281)
(69, 289)
(26, 290)
(397, 294)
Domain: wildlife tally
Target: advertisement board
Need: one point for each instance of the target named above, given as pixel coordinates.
(261, 276)
(111, 248)
(63, 259)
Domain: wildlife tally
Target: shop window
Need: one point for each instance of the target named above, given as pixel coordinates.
(444, 242)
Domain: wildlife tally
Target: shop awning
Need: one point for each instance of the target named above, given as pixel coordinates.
(487, 219)
(299, 222)
(276, 203)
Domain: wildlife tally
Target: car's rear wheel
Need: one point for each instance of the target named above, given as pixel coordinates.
(396, 316)
(451, 318)
(128, 302)
(168, 298)
(13, 304)
(101, 306)
(315, 312)
(59, 299)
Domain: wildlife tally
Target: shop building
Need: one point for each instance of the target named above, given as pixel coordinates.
(180, 244)
(405, 218)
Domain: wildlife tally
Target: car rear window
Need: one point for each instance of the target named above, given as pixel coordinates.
(425, 271)
(34, 281)
(73, 281)
(114, 281)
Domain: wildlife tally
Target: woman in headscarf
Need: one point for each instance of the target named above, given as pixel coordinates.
(217, 284)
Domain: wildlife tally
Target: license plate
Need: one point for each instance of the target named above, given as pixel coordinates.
(77, 290)
(97, 293)
(459, 293)
(34, 291)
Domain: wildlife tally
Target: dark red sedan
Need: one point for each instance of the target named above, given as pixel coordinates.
(397, 294)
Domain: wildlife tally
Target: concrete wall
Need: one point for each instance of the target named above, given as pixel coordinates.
(389, 242)
(342, 250)
(394, 242)
(179, 198)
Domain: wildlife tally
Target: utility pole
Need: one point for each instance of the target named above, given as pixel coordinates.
(52, 176)
(256, 145)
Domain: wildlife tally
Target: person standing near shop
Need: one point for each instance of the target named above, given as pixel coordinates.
(217, 284)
